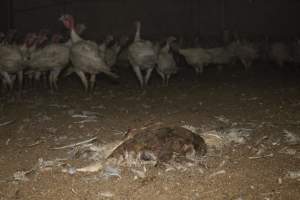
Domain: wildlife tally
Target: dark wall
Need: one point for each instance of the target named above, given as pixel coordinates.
(163, 17)
(168, 17)
(272, 17)
(4, 20)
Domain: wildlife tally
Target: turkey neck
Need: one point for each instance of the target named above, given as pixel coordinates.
(73, 34)
(166, 48)
(138, 32)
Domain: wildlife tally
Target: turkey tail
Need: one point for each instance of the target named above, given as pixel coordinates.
(138, 31)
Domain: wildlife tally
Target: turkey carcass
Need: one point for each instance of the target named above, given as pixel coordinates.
(85, 56)
(166, 65)
(142, 56)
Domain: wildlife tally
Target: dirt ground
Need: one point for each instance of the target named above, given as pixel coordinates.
(263, 99)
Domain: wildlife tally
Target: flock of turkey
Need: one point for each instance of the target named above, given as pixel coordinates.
(38, 56)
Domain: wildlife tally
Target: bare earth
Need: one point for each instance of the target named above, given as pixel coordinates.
(262, 99)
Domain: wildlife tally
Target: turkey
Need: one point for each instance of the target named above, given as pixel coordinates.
(56, 38)
(32, 73)
(166, 65)
(79, 29)
(280, 53)
(111, 54)
(109, 50)
(10, 37)
(142, 55)
(104, 45)
(196, 57)
(123, 54)
(244, 51)
(53, 58)
(219, 56)
(85, 56)
(12, 62)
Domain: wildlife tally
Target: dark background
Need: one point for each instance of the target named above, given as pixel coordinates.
(159, 17)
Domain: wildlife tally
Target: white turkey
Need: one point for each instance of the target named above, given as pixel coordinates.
(107, 52)
(79, 29)
(142, 55)
(33, 74)
(10, 37)
(166, 65)
(12, 62)
(56, 38)
(85, 56)
(219, 56)
(280, 53)
(196, 57)
(245, 51)
(52, 58)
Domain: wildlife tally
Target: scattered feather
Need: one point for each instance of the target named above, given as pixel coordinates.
(288, 151)
(237, 135)
(95, 167)
(293, 175)
(263, 156)
(191, 128)
(222, 119)
(21, 176)
(111, 172)
(106, 194)
(6, 123)
(139, 173)
(291, 138)
(217, 173)
(76, 144)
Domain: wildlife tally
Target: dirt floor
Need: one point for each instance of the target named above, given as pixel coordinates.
(265, 167)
